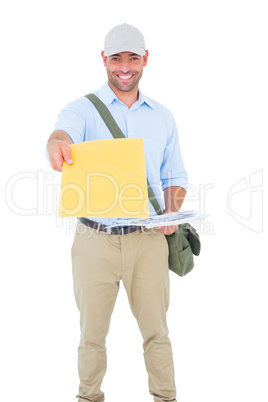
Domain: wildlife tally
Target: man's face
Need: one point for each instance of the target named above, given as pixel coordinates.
(125, 70)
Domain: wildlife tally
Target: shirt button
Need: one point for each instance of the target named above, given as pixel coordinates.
(131, 134)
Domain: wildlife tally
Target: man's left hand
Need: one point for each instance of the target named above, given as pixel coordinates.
(167, 229)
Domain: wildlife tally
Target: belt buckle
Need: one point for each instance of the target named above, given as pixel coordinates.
(109, 230)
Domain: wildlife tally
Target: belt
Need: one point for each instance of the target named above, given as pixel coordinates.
(116, 230)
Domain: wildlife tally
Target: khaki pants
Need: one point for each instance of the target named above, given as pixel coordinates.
(100, 261)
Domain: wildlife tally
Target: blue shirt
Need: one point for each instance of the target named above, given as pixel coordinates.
(145, 119)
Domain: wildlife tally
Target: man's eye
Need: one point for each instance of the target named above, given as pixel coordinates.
(115, 59)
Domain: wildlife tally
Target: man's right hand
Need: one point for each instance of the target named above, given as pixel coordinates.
(59, 150)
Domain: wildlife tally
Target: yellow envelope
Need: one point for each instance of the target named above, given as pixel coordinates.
(107, 179)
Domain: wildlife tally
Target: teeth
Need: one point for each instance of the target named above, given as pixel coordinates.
(125, 77)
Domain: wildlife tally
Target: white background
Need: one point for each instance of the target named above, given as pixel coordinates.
(208, 64)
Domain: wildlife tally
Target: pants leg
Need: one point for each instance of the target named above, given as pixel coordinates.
(146, 279)
(96, 274)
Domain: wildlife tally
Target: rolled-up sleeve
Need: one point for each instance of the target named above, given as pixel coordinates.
(72, 120)
(172, 172)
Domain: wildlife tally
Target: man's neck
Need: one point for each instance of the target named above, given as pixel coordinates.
(128, 98)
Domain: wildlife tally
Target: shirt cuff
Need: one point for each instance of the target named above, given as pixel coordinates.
(180, 182)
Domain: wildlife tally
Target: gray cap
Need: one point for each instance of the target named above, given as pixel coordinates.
(124, 38)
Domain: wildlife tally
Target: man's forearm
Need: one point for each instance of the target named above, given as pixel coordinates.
(174, 197)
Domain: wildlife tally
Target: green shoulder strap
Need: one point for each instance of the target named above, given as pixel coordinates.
(106, 115)
(117, 133)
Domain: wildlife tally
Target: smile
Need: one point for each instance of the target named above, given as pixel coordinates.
(125, 77)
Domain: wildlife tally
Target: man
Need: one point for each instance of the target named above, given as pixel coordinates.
(137, 256)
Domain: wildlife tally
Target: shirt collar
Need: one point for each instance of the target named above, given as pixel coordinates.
(145, 99)
(107, 95)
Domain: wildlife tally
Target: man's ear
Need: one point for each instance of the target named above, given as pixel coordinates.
(104, 58)
(145, 58)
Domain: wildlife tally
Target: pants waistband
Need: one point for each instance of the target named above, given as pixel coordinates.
(116, 230)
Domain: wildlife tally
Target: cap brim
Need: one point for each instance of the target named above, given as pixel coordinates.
(134, 49)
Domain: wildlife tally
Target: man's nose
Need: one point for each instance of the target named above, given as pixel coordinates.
(124, 67)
